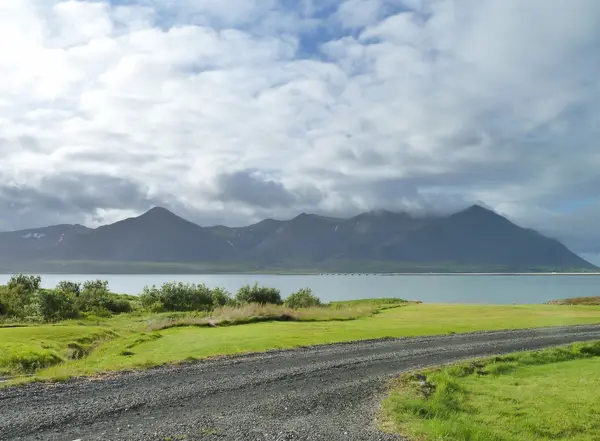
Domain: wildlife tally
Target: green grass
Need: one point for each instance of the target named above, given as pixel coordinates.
(543, 395)
(25, 350)
(137, 347)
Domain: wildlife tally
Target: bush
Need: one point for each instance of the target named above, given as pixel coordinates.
(69, 287)
(94, 296)
(221, 297)
(181, 297)
(258, 294)
(96, 299)
(302, 299)
(54, 305)
(14, 301)
(29, 284)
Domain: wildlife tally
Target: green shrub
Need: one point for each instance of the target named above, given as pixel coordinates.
(221, 297)
(93, 296)
(29, 284)
(54, 305)
(65, 286)
(96, 298)
(179, 297)
(302, 299)
(15, 300)
(258, 294)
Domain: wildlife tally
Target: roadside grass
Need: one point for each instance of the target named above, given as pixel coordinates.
(25, 350)
(543, 395)
(577, 301)
(142, 341)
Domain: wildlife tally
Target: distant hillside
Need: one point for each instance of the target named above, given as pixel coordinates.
(380, 241)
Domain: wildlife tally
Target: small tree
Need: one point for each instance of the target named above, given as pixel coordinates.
(258, 294)
(302, 299)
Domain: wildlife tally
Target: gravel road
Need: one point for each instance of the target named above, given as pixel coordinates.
(326, 392)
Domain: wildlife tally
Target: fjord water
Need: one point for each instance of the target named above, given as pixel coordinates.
(479, 289)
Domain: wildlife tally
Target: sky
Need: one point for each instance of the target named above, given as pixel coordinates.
(228, 112)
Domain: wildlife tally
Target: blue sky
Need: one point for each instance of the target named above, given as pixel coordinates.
(229, 112)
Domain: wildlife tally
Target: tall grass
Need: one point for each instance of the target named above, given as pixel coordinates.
(577, 301)
(253, 313)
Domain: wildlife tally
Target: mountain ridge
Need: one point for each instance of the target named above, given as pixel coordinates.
(475, 236)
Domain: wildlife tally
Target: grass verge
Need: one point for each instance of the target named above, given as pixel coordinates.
(542, 395)
(143, 341)
(577, 301)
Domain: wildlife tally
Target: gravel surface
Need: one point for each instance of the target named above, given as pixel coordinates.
(328, 392)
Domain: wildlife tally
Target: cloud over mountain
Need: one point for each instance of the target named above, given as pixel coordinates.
(229, 112)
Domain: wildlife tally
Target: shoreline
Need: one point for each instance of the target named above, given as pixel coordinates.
(245, 273)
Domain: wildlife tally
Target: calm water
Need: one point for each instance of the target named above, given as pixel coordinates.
(427, 288)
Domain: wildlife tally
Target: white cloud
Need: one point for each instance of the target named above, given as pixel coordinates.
(401, 104)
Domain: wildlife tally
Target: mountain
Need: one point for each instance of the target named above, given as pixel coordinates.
(475, 238)
(480, 236)
(156, 236)
(27, 244)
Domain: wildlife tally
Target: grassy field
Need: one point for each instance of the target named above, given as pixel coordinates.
(544, 395)
(130, 341)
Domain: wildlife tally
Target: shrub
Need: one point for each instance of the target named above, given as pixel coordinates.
(221, 297)
(302, 299)
(17, 296)
(94, 296)
(54, 305)
(29, 284)
(14, 301)
(119, 306)
(65, 286)
(179, 297)
(96, 299)
(258, 294)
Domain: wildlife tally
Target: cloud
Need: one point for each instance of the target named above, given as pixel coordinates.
(231, 111)
(73, 198)
(249, 187)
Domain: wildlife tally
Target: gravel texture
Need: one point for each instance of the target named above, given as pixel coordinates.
(328, 392)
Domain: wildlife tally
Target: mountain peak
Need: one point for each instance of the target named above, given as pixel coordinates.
(158, 213)
(479, 209)
(158, 210)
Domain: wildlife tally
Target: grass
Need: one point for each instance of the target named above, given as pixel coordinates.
(141, 343)
(543, 395)
(25, 350)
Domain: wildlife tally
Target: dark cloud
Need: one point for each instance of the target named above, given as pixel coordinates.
(253, 189)
(69, 198)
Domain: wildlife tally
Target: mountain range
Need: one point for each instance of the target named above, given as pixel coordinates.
(474, 239)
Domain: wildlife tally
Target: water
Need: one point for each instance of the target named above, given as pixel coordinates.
(481, 289)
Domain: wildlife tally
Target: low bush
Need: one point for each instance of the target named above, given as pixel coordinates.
(183, 297)
(54, 305)
(258, 294)
(302, 299)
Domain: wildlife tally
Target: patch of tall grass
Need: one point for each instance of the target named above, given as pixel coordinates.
(254, 312)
